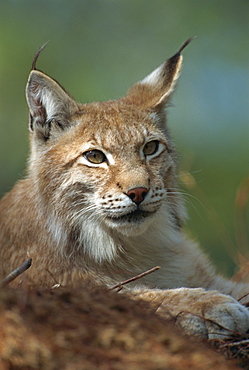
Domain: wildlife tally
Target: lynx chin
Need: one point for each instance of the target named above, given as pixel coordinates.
(101, 202)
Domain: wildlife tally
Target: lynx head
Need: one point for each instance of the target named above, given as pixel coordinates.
(109, 164)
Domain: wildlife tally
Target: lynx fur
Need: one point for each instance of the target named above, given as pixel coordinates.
(101, 202)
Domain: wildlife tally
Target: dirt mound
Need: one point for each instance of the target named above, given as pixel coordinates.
(93, 329)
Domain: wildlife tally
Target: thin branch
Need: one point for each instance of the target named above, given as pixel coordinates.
(56, 283)
(233, 344)
(14, 274)
(119, 286)
(245, 295)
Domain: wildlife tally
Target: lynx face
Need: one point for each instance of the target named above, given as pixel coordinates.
(113, 171)
(128, 158)
(110, 164)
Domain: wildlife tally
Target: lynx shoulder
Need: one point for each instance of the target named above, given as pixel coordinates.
(101, 201)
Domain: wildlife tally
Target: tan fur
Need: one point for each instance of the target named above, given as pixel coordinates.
(76, 218)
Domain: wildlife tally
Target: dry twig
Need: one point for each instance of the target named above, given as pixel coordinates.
(244, 296)
(119, 286)
(237, 343)
(14, 274)
(236, 347)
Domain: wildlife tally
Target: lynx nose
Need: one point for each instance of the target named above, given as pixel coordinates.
(138, 194)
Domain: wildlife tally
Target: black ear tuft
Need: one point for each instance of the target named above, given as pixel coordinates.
(186, 44)
(33, 67)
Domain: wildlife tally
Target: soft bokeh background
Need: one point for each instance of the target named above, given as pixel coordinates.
(98, 48)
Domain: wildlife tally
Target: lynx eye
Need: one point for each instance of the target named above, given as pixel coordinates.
(95, 156)
(151, 147)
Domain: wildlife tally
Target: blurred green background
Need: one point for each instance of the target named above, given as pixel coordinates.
(98, 48)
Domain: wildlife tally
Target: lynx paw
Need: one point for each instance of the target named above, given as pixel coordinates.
(219, 321)
(208, 314)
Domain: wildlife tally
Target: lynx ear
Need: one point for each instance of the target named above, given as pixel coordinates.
(49, 104)
(154, 91)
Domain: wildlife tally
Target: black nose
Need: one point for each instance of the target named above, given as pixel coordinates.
(137, 195)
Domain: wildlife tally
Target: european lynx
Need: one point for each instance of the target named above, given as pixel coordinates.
(101, 201)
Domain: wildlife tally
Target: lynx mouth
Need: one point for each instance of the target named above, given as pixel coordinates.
(132, 217)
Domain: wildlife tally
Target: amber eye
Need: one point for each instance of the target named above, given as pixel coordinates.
(95, 156)
(151, 147)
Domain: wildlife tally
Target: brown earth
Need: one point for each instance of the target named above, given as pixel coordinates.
(92, 328)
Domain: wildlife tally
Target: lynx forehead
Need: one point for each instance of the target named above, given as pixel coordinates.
(113, 127)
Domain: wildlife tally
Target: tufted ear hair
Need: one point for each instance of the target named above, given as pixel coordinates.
(155, 90)
(49, 104)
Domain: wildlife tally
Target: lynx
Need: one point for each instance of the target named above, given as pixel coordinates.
(101, 202)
